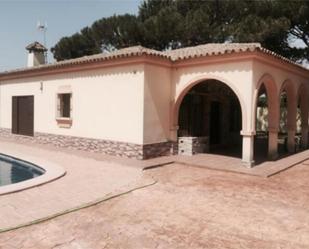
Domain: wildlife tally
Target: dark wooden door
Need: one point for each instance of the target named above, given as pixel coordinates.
(215, 122)
(23, 115)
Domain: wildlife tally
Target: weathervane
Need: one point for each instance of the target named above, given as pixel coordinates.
(42, 27)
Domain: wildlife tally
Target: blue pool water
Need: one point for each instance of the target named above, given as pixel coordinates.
(13, 170)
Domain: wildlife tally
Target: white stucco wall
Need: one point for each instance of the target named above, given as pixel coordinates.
(280, 75)
(157, 104)
(35, 59)
(134, 103)
(107, 103)
(236, 74)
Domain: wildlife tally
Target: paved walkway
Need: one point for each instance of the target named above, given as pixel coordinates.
(91, 177)
(86, 180)
(210, 161)
(232, 164)
(189, 207)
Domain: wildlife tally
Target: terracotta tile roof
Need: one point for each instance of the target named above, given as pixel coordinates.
(121, 53)
(211, 49)
(36, 46)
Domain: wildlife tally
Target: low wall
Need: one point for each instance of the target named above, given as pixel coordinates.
(108, 147)
(192, 145)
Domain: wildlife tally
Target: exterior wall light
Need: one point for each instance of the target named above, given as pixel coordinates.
(41, 86)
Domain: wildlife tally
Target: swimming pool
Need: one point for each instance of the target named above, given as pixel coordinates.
(13, 170)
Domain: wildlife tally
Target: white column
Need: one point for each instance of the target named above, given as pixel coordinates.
(248, 148)
(273, 125)
(173, 133)
(304, 110)
(304, 122)
(291, 122)
(272, 144)
(174, 139)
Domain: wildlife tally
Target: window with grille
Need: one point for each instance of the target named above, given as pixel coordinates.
(64, 105)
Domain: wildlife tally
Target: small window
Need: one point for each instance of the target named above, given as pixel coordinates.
(64, 110)
(65, 105)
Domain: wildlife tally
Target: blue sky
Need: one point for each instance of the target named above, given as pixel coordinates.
(18, 21)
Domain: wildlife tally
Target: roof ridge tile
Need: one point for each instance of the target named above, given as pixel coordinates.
(202, 50)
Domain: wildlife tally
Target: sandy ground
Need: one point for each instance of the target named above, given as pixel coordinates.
(187, 208)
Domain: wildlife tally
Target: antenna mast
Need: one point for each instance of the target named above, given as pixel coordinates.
(43, 28)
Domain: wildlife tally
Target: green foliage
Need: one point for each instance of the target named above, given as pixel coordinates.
(77, 45)
(162, 31)
(167, 24)
(117, 31)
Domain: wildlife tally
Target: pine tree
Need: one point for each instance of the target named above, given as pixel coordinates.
(167, 24)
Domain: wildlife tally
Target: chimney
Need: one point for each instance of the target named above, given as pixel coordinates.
(36, 54)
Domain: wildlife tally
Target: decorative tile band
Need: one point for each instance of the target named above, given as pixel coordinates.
(114, 148)
(159, 149)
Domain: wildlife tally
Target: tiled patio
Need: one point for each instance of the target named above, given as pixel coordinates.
(188, 207)
(232, 164)
(86, 181)
(91, 177)
(210, 161)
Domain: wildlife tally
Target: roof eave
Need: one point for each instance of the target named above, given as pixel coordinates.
(94, 62)
(84, 66)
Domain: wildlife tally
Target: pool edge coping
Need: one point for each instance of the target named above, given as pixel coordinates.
(52, 172)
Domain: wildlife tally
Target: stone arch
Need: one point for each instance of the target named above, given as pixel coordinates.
(302, 99)
(291, 91)
(272, 100)
(209, 111)
(268, 80)
(290, 87)
(272, 97)
(179, 97)
(271, 90)
(302, 96)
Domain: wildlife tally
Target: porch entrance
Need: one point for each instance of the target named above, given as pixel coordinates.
(215, 116)
(23, 115)
(212, 110)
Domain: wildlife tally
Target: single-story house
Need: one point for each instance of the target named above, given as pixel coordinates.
(142, 103)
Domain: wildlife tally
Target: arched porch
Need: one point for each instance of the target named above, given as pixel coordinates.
(212, 110)
(281, 118)
(215, 109)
